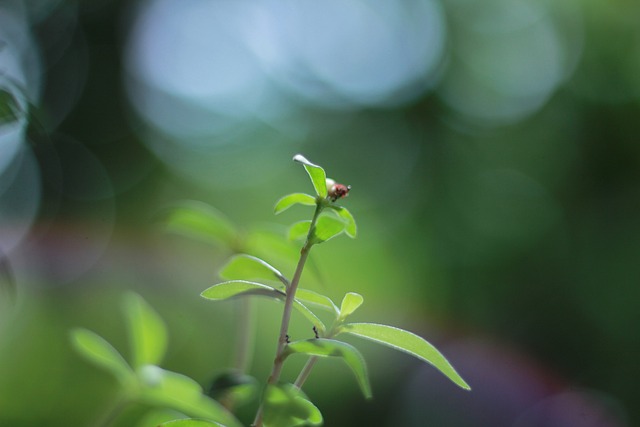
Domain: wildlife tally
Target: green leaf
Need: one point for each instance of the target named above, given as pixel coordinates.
(292, 199)
(234, 288)
(169, 389)
(407, 342)
(272, 244)
(147, 332)
(310, 297)
(248, 267)
(200, 221)
(351, 229)
(189, 422)
(327, 227)
(287, 406)
(316, 173)
(331, 348)
(240, 288)
(98, 351)
(299, 230)
(350, 303)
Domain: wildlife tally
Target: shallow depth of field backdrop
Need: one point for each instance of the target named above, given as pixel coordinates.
(493, 148)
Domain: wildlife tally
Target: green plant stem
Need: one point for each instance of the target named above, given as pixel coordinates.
(288, 308)
(306, 371)
(112, 413)
(245, 335)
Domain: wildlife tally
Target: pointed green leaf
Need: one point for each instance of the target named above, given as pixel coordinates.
(331, 348)
(169, 389)
(98, 351)
(351, 229)
(190, 422)
(327, 227)
(287, 406)
(310, 297)
(299, 230)
(240, 288)
(200, 221)
(147, 332)
(293, 199)
(407, 342)
(234, 288)
(350, 303)
(316, 173)
(247, 267)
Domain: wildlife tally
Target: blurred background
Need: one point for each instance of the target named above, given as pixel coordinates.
(493, 149)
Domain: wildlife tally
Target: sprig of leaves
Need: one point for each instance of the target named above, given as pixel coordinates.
(143, 380)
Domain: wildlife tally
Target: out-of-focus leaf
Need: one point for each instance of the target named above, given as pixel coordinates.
(98, 351)
(200, 221)
(316, 173)
(190, 422)
(272, 244)
(287, 406)
(299, 230)
(147, 332)
(234, 386)
(239, 288)
(407, 342)
(350, 303)
(294, 199)
(169, 389)
(331, 348)
(327, 227)
(248, 267)
(310, 297)
(351, 228)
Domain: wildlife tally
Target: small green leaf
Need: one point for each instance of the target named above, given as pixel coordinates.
(299, 230)
(351, 229)
(234, 288)
(287, 406)
(310, 297)
(292, 199)
(331, 348)
(147, 332)
(98, 351)
(169, 389)
(189, 422)
(327, 227)
(240, 288)
(316, 173)
(200, 221)
(248, 267)
(407, 342)
(350, 303)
